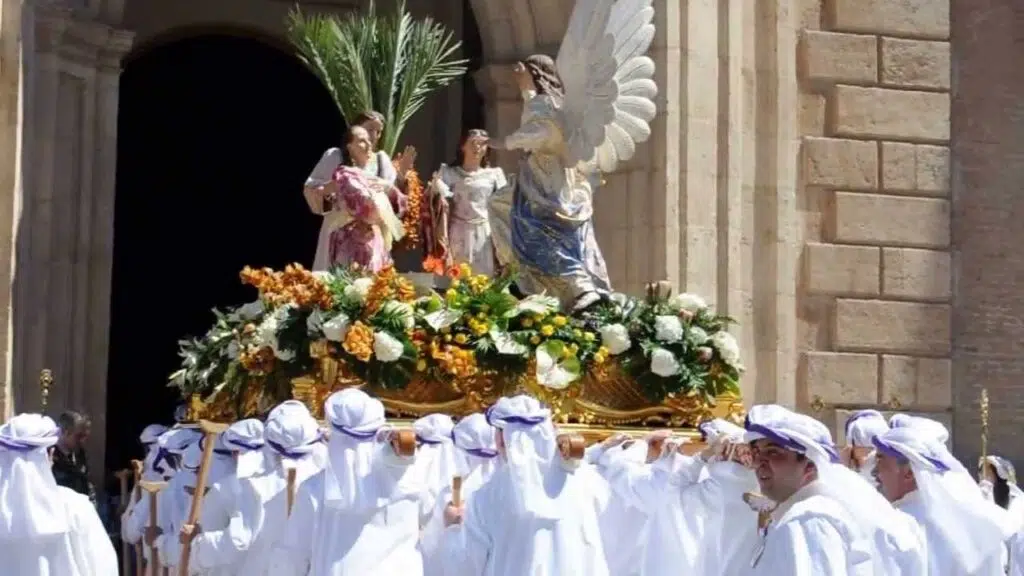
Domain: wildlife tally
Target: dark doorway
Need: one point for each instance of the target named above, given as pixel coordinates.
(216, 135)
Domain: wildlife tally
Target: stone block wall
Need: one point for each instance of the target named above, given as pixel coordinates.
(874, 296)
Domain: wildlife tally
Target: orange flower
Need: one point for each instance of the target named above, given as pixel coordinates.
(413, 208)
(359, 341)
(454, 272)
(294, 285)
(434, 265)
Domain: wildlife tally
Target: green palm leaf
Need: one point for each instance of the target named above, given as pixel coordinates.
(368, 61)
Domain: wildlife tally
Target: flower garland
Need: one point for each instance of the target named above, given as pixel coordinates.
(413, 208)
(386, 334)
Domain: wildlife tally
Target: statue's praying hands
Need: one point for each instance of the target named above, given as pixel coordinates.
(407, 161)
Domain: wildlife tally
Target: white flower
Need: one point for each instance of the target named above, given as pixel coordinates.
(664, 363)
(697, 335)
(266, 332)
(232, 351)
(401, 310)
(615, 337)
(386, 347)
(555, 369)
(668, 328)
(323, 276)
(727, 348)
(688, 302)
(357, 290)
(285, 355)
(336, 328)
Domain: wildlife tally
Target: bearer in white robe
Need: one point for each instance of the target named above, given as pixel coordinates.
(626, 552)
(45, 529)
(535, 515)
(436, 456)
(965, 532)
(998, 483)
(260, 522)
(810, 532)
(861, 429)
(154, 468)
(476, 459)
(674, 538)
(175, 501)
(215, 551)
(897, 544)
(361, 514)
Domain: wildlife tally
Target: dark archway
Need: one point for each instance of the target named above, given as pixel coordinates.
(216, 134)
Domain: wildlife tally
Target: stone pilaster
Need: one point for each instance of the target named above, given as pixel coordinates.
(65, 253)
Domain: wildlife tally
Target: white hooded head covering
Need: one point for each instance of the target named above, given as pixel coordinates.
(245, 438)
(474, 438)
(530, 453)
(929, 427)
(436, 450)
(30, 502)
(155, 465)
(862, 427)
(293, 436)
(862, 501)
(356, 419)
(222, 462)
(718, 431)
(972, 527)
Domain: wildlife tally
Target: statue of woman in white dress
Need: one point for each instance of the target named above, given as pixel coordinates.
(584, 114)
(359, 202)
(459, 230)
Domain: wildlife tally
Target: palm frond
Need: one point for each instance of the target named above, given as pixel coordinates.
(368, 61)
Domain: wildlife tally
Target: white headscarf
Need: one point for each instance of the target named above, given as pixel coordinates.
(222, 462)
(293, 435)
(931, 428)
(866, 506)
(155, 466)
(530, 453)
(973, 528)
(356, 419)
(863, 426)
(30, 503)
(718, 431)
(245, 438)
(474, 438)
(436, 450)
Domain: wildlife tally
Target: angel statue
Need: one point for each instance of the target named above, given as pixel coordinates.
(585, 111)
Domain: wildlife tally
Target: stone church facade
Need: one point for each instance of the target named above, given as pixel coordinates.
(837, 175)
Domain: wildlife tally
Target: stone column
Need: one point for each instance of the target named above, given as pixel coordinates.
(63, 287)
(11, 87)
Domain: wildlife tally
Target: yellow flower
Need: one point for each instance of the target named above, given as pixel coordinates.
(538, 317)
(450, 294)
(534, 339)
(447, 337)
(455, 283)
(603, 351)
(460, 338)
(465, 270)
(481, 315)
(527, 322)
(480, 329)
(421, 365)
(547, 330)
(588, 336)
(599, 358)
(559, 320)
(577, 333)
(445, 330)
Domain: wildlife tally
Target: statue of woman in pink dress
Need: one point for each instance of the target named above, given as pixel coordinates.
(362, 211)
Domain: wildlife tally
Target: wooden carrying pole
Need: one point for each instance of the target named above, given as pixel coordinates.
(457, 491)
(291, 490)
(984, 425)
(136, 498)
(210, 432)
(122, 478)
(152, 489)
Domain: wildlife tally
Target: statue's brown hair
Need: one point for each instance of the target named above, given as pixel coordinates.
(545, 75)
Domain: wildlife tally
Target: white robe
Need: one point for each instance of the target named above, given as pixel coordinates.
(626, 552)
(215, 551)
(323, 541)
(432, 535)
(492, 542)
(673, 537)
(811, 535)
(730, 533)
(939, 561)
(85, 550)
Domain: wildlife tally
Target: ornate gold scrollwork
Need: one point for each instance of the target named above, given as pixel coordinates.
(817, 404)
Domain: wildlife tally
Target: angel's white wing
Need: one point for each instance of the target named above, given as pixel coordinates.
(609, 85)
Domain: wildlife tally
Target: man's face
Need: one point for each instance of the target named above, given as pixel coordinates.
(76, 437)
(780, 473)
(895, 477)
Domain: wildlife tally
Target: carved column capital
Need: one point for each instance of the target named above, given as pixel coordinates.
(51, 23)
(119, 43)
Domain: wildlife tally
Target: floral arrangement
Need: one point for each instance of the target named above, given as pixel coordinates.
(413, 209)
(377, 326)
